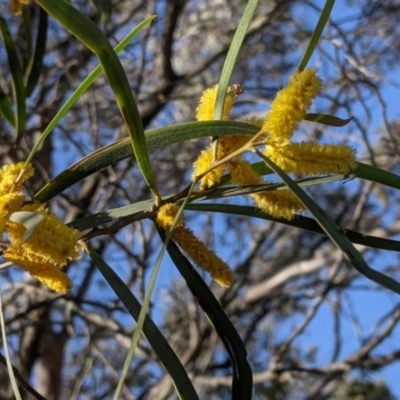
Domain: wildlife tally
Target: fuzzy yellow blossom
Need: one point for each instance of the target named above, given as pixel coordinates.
(49, 246)
(40, 267)
(16, 6)
(195, 248)
(11, 199)
(206, 107)
(230, 143)
(202, 164)
(52, 238)
(9, 203)
(48, 249)
(9, 175)
(227, 145)
(312, 158)
(290, 105)
(279, 204)
(206, 259)
(166, 216)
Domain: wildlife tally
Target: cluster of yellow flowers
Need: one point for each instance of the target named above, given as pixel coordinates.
(51, 244)
(306, 158)
(276, 131)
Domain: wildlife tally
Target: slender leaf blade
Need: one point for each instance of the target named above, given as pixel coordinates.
(40, 51)
(94, 39)
(157, 138)
(323, 19)
(87, 82)
(374, 174)
(157, 341)
(333, 231)
(17, 79)
(326, 119)
(10, 368)
(242, 379)
(299, 221)
(231, 57)
(6, 108)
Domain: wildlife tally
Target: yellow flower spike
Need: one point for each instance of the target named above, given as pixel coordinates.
(205, 109)
(9, 175)
(52, 239)
(9, 203)
(290, 105)
(193, 247)
(230, 143)
(166, 215)
(49, 248)
(16, 6)
(279, 203)
(243, 174)
(312, 158)
(206, 259)
(227, 145)
(46, 272)
(201, 165)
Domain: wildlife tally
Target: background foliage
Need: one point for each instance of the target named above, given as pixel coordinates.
(312, 326)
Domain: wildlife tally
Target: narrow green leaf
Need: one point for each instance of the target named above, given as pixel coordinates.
(323, 19)
(299, 221)
(92, 37)
(230, 62)
(26, 18)
(363, 171)
(146, 300)
(333, 231)
(111, 215)
(231, 57)
(10, 369)
(132, 210)
(29, 219)
(40, 50)
(377, 175)
(242, 380)
(83, 87)
(157, 341)
(326, 119)
(6, 108)
(17, 78)
(157, 138)
(106, 10)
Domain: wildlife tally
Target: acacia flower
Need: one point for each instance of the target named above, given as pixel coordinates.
(11, 199)
(279, 203)
(290, 105)
(9, 203)
(226, 144)
(51, 244)
(9, 175)
(193, 247)
(49, 248)
(206, 107)
(312, 158)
